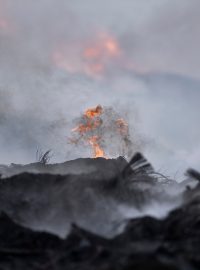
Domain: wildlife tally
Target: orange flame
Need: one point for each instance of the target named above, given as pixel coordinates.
(91, 122)
(92, 129)
(97, 150)
(89, 126)
(105, 46)
(91, 59)
(98, 55)
(93, 112)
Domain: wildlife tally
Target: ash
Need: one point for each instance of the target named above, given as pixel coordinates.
(98, 214)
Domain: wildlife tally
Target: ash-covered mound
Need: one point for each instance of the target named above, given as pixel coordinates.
(146, 243)
(105, 168)
(104, 206)
(100, 199)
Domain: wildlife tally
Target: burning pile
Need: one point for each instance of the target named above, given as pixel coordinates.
(102, 129)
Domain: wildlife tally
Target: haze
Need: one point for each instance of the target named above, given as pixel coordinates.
(58, 58)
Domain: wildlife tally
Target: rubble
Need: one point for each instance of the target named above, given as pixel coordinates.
(143, 242)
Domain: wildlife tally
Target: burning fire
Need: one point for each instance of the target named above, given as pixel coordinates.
(96, 125)
(98, 55)
(105, 46)
(97, 150)
(91, 59)
(94, 112)
(91, 123)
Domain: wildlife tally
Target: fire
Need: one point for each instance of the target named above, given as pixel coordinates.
(112, 47)
(91, 123)
(92, 58)
(90, 53)
(101, 128)
(89, 126)
(97, 150)
(99, 54)
(104, 46)
(94, 112)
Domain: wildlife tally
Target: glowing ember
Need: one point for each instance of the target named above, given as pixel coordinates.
(97, 150)
(91, 53)
(93, 112)
(88, 126)
(102, 128)
(91, 123)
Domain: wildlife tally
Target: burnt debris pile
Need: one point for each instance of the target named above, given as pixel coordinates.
(98, 214)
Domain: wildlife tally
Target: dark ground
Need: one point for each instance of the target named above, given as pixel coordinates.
(146, 243)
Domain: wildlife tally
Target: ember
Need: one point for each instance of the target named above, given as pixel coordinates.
(90, 113)
(98, 152)
(91, 123)
(100, 127)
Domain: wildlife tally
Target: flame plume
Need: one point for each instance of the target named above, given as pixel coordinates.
(97, 150)
(92, 59)
(99, 127)
(91, 122)
(94, 112)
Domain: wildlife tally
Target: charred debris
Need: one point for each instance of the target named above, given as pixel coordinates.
(74, 216)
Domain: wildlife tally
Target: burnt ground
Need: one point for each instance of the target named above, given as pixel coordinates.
(146, 242)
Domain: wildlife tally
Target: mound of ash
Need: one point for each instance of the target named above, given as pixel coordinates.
(102, 167)
(116, 215)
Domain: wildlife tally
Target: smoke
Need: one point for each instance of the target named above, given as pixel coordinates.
(39, 99)
(106, 132)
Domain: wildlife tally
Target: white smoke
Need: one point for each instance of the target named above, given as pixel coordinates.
(38, 100)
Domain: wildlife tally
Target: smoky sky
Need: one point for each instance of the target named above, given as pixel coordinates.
(153, 81)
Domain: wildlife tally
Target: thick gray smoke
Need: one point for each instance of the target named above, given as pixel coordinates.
(45, 82)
